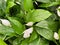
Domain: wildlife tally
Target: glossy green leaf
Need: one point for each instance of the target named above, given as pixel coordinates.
(44, 1)
(33, 36)
(48, 25)
(27, 5)
(44, 41)
(2, 42)
(10, 3)
(1, 12)
(17, 26)
(35, 42)
(37, 15)
(43, 24)
(17, 41)
(43, 13)
(2, 36)
(25, 42)
(39, 41)
(6, 30)
(3, 5)
(46, 33)
(49, 4)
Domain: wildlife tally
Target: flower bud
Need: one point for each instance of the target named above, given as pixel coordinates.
(29, 24)
(58, 11)
(26, 35)
(30, 30)
(5, 22)
(27, 32)
(56, 36)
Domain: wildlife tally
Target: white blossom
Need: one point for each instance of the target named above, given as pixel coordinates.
(27, 32)
(30, 30)
(5, 22)
(26, 35)
(56, 36)
(29, 24)
(18, 2)
(58, 11)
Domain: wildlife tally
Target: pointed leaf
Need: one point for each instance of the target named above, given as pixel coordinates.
(27, 5)
(46, 33)
(17, 26)
(37, 15)
(2, 42)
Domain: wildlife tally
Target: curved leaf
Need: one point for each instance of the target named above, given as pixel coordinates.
(33, 36)
(48, 25)
(17, 26)
(39, 41)
(27, 5)
(2, 42)
(37, 15)
(46, 33)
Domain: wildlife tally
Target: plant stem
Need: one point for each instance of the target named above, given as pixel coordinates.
(56, 42)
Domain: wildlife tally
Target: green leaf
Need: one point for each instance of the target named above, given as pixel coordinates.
(33, 36)
(35, 42)
(8, 31)
(46, 33)
(25, 42)
(49, 4)
(2, 36)
(17, 26)
(44, 41)
(27, 5)
(2, 42)
(39, 41)
(42, 24)
(17, 41)
(44, 1)
(48, 25)
(37, 15)
(3, 5)
(1, 12)
(10, 3)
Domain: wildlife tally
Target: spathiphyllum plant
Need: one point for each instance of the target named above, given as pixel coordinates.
(29, 22)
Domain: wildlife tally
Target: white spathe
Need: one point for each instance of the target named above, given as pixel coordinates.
(5, 22)
(29, 23)
(58, 11)
(56, 36)
(27, 32)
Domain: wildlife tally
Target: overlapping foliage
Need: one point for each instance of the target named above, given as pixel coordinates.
(43, 13)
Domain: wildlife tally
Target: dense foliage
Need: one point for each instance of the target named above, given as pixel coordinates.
(29, 22)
